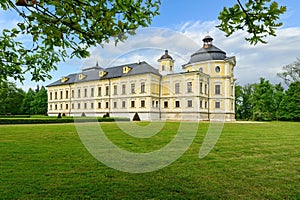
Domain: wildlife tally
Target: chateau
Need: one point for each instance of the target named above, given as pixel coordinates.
(204, 90)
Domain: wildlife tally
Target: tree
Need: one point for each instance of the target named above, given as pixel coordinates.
(290, 105)
(26, 104)
(258, 18)
(291, 72)
(278, 93)
(243, 101)
(11, 98)
(263, 101)
(61, 29)
(64, 29)
(39, 104)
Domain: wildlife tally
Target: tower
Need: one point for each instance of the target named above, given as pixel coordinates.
(166, 64)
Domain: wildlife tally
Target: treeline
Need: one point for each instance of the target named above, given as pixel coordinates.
(265, 102)
(15, 101)
(261, 101)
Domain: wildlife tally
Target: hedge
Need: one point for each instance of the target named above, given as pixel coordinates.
(14, 116)
(58, 120)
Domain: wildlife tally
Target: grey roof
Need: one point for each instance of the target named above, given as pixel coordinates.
(92, 73)
(207, 53)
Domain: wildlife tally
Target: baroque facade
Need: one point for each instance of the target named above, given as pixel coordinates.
(204, 90)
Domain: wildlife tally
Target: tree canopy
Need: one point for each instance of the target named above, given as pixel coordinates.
(64, 29)
(291, 72)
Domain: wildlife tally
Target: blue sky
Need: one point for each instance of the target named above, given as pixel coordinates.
(180, 28)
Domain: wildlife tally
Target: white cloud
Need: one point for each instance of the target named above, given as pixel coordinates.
(253, 61)
(149, 44)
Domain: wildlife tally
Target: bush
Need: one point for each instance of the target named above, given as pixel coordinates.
(136, 117)
(106, 115)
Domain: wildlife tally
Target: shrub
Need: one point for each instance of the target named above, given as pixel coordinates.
(136, 117)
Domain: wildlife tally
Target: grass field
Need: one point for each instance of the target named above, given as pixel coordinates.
(250, 161)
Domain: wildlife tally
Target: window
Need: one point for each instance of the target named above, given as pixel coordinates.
(143, 103)
(205, 88)
(85, 105)
(163, 68)
(190, 103)
(73, 106)
(132, 104)
(99, 105)
(201, 88)
(217, 104)
(92, 105)
(189, 86)
(92, 92)
(115, 90)
(73, 93)
(123, 104)
(205, 104)
(171, 68)
(78, 105)
(166, 104)
(115, 104)
(85, 92)
(156, 104)
(55, 107)
(177, 104)
(67, 106)
(106, 90)
(61, 94)
(106, 104)
(217, 89)
(50, 107)
(143, 87)
(123, 89)
(201, 104)
(67, 94)
(99, 91)
(132, 88)
(55, 95)
(61, 106)
(50, 96)
(177, 88)
(78, 95)
(217, 69)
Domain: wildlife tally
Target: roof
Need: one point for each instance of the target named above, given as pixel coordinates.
(166, 56)
(92, 74)
(207, 52)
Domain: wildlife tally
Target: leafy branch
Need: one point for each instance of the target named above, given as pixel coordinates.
(257, 17)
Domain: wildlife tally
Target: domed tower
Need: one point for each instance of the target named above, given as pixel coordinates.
(212, 62)
(166, 64)
(208, 52)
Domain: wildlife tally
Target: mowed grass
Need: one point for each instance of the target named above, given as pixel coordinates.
(249, 161)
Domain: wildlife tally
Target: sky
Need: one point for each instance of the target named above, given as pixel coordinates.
(180, 28)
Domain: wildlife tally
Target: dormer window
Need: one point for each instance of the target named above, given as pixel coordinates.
(64, 79)
(102, 73)
(82, 76)
(126, 69)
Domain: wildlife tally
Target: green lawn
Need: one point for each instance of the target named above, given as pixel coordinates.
(250, 161)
